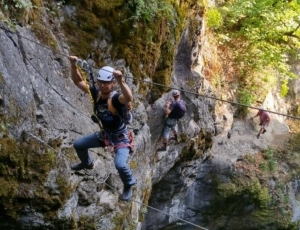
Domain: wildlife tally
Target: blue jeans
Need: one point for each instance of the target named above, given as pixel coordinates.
(96, 140)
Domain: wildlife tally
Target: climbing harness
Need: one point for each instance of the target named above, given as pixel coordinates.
(115, 190)
(85, 69)
(83, 65)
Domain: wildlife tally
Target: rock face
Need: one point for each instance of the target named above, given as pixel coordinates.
(42, 113)
(41, 107)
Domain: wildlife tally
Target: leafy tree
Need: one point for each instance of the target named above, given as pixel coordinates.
(259, 35)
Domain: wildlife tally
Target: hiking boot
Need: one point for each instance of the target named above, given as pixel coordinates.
(161, 149)
(80, 166)
(127, 193)
(264, 131)
(258, 136)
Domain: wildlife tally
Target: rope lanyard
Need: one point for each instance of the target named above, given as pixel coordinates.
(82, 65)
(84, 70)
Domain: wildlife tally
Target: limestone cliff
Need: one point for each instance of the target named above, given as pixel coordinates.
(42, 113)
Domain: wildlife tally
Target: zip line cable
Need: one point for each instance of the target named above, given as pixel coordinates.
(37, 43)
(219, 99)
(153, 83)
(56, 90)
(157, 84)
(38, 139)
(185, 221)
(148, 206)
(162, 85)
(18, 34)
(155, 209)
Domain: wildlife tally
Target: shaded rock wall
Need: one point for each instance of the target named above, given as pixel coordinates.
(40, 107)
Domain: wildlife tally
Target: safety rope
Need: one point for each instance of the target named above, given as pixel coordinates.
(84, 70)
(55, 89)
(82, 67)
(104, 181)
(168, 214)
(158, 84)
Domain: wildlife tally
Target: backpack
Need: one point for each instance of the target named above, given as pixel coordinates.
(124, 111)
(180, 109)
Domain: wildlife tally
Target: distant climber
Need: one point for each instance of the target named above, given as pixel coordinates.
(228, 135)
(175, 110)
(114, 131)
(264, 120)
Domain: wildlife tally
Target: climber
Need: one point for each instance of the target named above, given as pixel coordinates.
(264, 120)
(114, 131)
(175, 110)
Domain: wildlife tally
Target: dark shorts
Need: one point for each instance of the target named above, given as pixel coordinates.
(263, 124)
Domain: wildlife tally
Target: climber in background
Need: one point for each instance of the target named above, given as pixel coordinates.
(265, 118)
(174, 110)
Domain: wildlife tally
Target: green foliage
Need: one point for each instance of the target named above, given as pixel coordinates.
(284, 88)
(55, 9)
(214, 18)
(216, 81)
(227, 189)
(246, 192)
(261, 35)
(250, 158)
(24, 167)
(271, 163)
(86, 222)
(245, 97)
(263, 166)
(19, 4)
(268, 154)
(142, 32)
(14, 10)
(142, 10)
(268, 203)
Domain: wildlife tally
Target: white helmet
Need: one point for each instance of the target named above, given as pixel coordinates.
(106, 74)
(261, 108)
(175, 92)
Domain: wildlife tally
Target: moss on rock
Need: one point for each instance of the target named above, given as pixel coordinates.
(24, 162)
(248, 198)
(148, 46)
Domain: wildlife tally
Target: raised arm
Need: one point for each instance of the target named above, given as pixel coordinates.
(126, 95)
(76, 76)
(167, 108)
